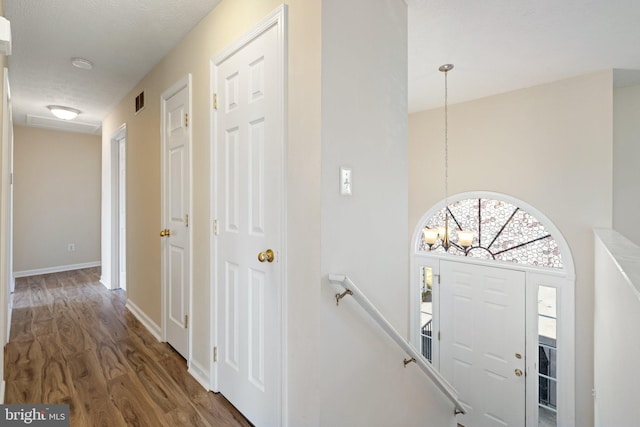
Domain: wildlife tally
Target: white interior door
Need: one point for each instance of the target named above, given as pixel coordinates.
(482, 341)
(248, 208)
(122, 214)
(176, 238)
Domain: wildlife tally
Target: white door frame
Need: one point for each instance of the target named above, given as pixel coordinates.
(276, 18)
(561, 279)
(175, 88)
(6, 214)
(113, 282)
(8, 113)
(122, 208)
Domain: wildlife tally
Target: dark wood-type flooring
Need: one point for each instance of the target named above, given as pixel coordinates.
(72, 341)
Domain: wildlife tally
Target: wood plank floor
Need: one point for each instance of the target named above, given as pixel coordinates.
(72, 341)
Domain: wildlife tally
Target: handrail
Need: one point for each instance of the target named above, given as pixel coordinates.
(414, 356)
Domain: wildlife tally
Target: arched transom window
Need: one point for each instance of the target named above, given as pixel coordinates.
(501, 231)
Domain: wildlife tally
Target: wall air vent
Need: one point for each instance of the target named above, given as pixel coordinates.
(139, 102)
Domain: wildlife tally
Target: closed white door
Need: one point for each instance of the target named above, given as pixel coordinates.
(482, 341)
(248, 214)
(176, 245)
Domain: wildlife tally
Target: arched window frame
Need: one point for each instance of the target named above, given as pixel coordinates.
(501, 231)
(562, 279)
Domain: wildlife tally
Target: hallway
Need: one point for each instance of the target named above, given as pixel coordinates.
(72, 341)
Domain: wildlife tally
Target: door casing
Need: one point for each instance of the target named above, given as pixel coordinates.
(122, 212)
(113, 279)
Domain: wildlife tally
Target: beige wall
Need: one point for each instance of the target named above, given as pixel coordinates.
(626, 152)
(550, 146)
(56, 198)
(227, 22)
(192, 55)
(310, 400)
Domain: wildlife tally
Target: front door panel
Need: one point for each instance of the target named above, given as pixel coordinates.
(482, 341)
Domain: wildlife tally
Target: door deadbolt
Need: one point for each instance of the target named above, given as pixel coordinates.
(267, 255)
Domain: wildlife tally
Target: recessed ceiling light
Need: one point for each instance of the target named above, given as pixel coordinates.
(85, 64)
(64, 113)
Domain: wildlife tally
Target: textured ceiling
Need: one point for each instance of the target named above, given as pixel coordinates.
(503, 45)
(496, 46)
(123, 38)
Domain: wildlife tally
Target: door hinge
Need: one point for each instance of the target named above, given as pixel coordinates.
(215, 354)
(438, 335)
(438, 278)
(215, 101)
(186, 321)
(186, 220)
(216, 230)
(186, 120)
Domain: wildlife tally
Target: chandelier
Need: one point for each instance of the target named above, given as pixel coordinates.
(441, 236)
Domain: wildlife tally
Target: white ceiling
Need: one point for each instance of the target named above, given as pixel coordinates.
(123, 38)
(503, 45)
(496, 46)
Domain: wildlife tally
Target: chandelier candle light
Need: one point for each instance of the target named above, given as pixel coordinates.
(431, 235)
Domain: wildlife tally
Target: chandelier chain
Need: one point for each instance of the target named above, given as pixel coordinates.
(446, 140)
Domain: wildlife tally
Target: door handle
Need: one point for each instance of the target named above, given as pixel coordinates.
(164, 233)
(267, 255)
(518, 373)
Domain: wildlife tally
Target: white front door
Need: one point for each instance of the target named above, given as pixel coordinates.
(482, 341)
(248, 212)
(176, 239)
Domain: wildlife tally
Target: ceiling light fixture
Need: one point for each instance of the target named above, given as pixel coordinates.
(64, 113)
(82, 63)
(431, 235)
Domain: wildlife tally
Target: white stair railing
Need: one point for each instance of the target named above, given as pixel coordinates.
(351, 289)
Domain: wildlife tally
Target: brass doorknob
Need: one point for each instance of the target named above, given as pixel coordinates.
(267, 255)
(165, 232)
(518, 373)
(162, 233)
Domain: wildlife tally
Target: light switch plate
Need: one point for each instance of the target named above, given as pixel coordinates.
(345, 181)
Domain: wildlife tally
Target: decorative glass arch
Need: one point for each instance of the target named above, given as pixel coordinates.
(502, 232)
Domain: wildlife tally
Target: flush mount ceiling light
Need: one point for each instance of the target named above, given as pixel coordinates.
(64, 113)
(82, 63)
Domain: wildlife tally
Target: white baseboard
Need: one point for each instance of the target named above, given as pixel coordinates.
(58, 269)
(105, 283)
(146, 321)
(200, 374)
